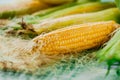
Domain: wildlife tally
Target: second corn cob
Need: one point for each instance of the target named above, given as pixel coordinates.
(105, 15)
(75, 38)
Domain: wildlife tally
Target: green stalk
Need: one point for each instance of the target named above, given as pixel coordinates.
(105, 15)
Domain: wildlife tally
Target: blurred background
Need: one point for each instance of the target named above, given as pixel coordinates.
(18, 18)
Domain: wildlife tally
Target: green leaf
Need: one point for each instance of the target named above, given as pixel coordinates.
(117, 3)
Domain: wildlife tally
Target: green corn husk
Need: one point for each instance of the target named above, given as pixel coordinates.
(77, 9)
(53, 9)
(111, 52)
(38, 16)
(112, 49)
(105, 15)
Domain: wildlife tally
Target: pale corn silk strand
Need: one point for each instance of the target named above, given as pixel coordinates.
(15, 54)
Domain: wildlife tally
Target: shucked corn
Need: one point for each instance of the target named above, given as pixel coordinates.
(75, 38)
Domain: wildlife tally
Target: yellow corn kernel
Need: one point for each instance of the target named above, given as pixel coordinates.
(75, 38)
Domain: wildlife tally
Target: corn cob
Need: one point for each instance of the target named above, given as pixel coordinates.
(105, 15)
(75, 38)
(13, 8)
(84, 8)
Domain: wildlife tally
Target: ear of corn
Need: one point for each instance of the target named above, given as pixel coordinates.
(105, 15)
(21, 7)
(77, 9)
(75, 38)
